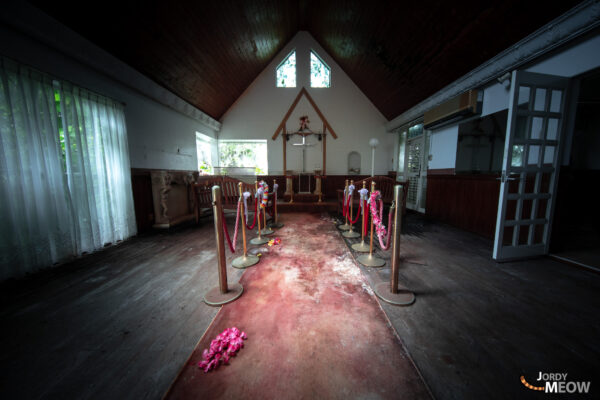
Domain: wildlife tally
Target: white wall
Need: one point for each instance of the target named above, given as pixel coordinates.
(574, 60)
(443, 148)
(260, 109)
(495, 98)
(159, 136)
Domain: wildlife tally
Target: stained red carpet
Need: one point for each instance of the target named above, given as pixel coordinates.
(315, 329)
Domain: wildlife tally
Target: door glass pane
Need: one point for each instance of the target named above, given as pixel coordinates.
(523, 234)
(511, 209)
(524, 93)
(513, 185)
(555, 100)
(540, 99)
(401, 153)
(516, 159)
(534, 155)
(521, 128)
(549, 154)
(536, 128)
(545, 186)
(415, 130)
(529, 184)
(552, 133)
(414, 156)
(413, 185)
(538, 235)
(507, 235)
(542, 206)
(526, 211)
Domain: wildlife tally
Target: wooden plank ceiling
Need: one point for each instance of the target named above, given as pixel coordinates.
(398, 53)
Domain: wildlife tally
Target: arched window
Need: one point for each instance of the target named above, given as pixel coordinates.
(286, 71)
(320, 73)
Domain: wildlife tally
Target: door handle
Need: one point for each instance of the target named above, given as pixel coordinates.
(505, 178)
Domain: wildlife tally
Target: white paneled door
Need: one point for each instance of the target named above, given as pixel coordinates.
(417, 151)
(530, 165)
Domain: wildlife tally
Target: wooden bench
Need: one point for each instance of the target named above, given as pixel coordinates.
(229, 191)
(384, 184)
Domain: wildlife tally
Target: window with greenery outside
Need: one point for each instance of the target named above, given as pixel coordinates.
(248, 155)
(286, 71)
(320, 73)
(204, 150)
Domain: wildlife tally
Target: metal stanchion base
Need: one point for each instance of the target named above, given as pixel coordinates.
(214, 297)
(245, 261)
(404, 297)
(261, 240)
(361, 247)
(351, 234)
(266, 231)
(344, 227)
(276, 225)
(370, 261)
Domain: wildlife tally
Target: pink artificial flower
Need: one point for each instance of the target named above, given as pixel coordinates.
(222, 348)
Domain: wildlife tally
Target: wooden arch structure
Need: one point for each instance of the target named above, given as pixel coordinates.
(282, 128)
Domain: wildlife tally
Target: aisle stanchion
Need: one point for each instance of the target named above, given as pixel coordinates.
(263, 204)
(362, 247)
(350, 233)
(345, 226)
(392, 292)
(259, 239)
(245, 260)
(369, 260)
(224, 293)
(275, 224)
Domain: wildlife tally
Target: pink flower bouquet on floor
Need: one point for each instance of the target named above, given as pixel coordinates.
(222, 348)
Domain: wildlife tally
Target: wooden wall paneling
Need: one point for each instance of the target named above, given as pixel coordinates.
(141, 185)
(324, 150)
(469, 202)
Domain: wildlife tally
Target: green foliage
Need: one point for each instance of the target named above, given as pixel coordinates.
(237, 154)
(244, 154)
(320, 74)
(286, 72)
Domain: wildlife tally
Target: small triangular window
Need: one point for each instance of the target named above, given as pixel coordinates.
(286, 71)
(320, 73)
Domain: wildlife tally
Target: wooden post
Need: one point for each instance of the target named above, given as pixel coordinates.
(345, 226)
(393, 292)
(258, 200)
(369, 260)
(396, 238)
(243, 219)
(224, 293)
(371, 240)
(219, 235)
(284, 136)
(324, 150)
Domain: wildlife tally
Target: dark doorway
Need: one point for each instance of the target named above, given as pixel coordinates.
(576, 233)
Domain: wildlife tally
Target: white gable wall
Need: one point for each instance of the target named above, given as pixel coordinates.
(260, 109)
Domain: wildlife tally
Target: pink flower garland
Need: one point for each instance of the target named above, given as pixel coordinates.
(379, 227)
(224, 346)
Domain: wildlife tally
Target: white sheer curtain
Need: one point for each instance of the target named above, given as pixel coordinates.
(65, 184)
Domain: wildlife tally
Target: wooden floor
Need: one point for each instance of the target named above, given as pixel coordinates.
(120, 323)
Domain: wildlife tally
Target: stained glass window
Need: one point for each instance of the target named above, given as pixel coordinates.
(320, 73)
(286, 71)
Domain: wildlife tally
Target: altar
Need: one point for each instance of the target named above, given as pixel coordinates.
(312, 168)
(304, 179)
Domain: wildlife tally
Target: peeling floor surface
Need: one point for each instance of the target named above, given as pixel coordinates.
(315, 329)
